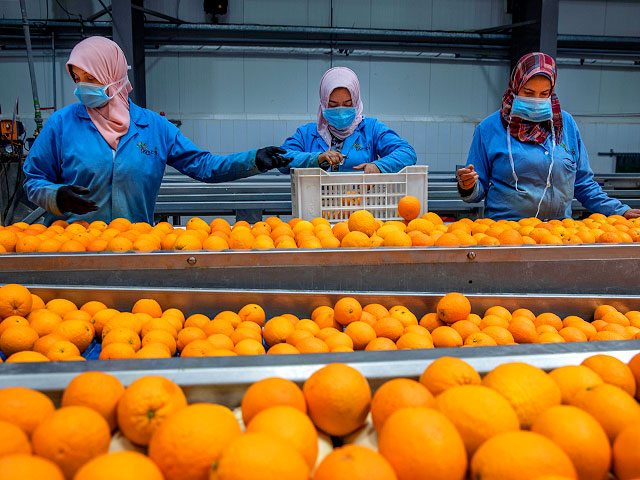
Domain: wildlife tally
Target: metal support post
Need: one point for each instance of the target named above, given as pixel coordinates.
(539, 30)
(128, 32)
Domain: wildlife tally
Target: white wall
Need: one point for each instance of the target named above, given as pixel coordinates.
(236, 102)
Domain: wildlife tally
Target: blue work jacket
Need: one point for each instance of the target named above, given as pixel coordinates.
(71, 151)
(371, 142)
(571, 175)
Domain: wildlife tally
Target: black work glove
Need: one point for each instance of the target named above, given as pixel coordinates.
(271, 157)
(69, 200)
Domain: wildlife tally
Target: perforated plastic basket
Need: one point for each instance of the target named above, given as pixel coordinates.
(334, 196)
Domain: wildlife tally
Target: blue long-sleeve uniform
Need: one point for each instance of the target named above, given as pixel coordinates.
(371, 142)
(571, 174)
(71, 151)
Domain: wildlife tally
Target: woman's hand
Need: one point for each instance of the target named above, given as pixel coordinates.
(467, 177)
(632, 213)
(331, 158)
(367, 167)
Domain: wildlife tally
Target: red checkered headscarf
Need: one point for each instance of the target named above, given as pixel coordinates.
(530, 65)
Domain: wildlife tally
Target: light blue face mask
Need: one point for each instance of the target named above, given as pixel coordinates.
(339, 117)
(93, 96)
(532, 109)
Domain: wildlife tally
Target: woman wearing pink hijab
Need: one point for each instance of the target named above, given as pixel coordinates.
(343, 139)
(104, 157)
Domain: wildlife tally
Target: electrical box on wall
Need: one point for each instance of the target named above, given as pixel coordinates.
(215, 8)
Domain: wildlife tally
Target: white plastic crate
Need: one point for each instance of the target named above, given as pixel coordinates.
(335, 195)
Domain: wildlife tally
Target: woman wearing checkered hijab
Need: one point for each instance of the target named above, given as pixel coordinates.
(527, 159)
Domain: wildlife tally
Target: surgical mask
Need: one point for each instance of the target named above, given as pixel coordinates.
(339, 117)
(513, 169)
(532, 109)
(94, 96)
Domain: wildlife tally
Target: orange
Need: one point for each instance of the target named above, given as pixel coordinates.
(326, 320)
(100, 319)
(354, 462)
(117, 351)
(243, 333)
(27, 244)
(548, 318)
(355, 239)
(612, 371)
(13, 440)
(580, 436)
(617, 318)
(479, 340)
(493, 321)
(634, 365)
(160, 336)
(430, 321)
(321, 310)
(396, 238)
(573, 379)
(153, 350)
(381, 343)
(71, 436)
(419, 439)
(389, 327)
(198, 348)
(478, 413)
(154, 324)
(147, 305)
(313, 345)
(446, 337)
(131, 321)
(611, 406)
(465, 328)
(289, 425)
(78, 332)
(396, 394)
(15, 300)
(188, 335)
(510, 237)
(38, 303)
(602, 310)
(308, 325)
(282, 349)
(499, 311)
(61, 306)
(626, 464)
(24, 407)
(523, 330)
(252, 313)
(197, 320)
(26, 356)
(96, 390)
(270, 392)
(78, 315)
(338, 398)
(347, 310)
(233, 317)
(186, 444)
(258, 455)
(520, 456)
(404, 315)
(276, 330)
(523, 312)
(572, 334)
(339, 339)
(124, 465)
(448, 372)
(453, 307)
(528, 389)
(17, 339)
(409, 207)
(412, 340)
(362, 221)
(145, 404)
(220, 341)
(21, 466)
(501, 335)
(8, 240)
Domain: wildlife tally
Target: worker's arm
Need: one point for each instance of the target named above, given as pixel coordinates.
(295, 147)
(480, 160)
(395, 153)
(42, 167)
(187, 158)
(588, 192)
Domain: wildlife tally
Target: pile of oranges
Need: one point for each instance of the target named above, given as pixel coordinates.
(360, 230)
(518, 422)
(60, 330)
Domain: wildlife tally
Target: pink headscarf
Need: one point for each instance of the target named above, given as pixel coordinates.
(104, 60)
(338, 77)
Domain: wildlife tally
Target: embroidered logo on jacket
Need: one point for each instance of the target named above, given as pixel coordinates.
(568, 149)
(146, 150)
(359, 146)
